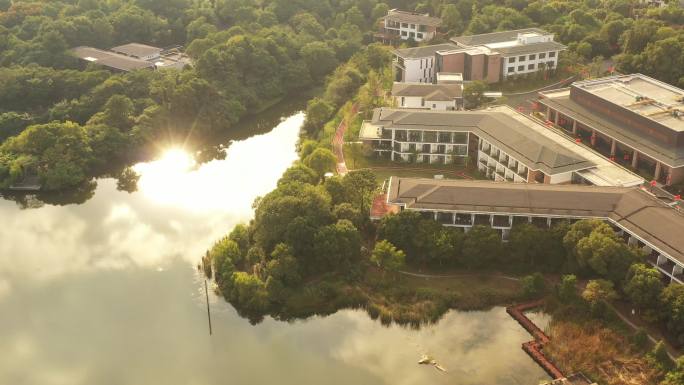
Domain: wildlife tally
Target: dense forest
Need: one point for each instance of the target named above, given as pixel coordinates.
(66, 124)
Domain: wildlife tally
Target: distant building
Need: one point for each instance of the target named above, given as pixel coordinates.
(417, 65)
(640, 218)
(507, 146)
(492, 57)
(111, 60)
(442, 96)
(138, 51)
(133, 56)
(403, 25)
(633, 119)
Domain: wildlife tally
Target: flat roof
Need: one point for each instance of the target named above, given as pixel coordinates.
(413, 17)
(632, 208)
(507, 43)
(560, 100)
(136, 49)
(110, 59)
(424, 51)
(642, 95)
(428, 91)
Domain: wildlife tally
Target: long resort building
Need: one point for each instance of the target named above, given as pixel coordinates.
(632, 119)
(639, 217)
(507, 146)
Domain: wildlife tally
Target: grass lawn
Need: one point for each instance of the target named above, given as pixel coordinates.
(528, 83)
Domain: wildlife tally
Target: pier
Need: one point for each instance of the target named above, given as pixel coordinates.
(534, 348)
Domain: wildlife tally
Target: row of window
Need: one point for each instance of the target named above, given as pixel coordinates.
(419, 35)
(532, 57)
(530, 67)
(428, 62)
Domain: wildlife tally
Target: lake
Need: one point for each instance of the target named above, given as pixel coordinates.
(107, 291)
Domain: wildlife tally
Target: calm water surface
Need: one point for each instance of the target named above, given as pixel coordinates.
(106, 292)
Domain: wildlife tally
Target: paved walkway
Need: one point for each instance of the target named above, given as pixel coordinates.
(460, 275)
(338, 142)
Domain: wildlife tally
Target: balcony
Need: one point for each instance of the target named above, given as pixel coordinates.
(464, 220)
(501, 221)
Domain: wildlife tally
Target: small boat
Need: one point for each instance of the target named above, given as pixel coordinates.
(438, 367)
(425, 360)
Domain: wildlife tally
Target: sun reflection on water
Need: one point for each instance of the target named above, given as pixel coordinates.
(251, 169)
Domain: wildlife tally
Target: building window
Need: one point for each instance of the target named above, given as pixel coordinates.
(511, 69)
(552, 54)
(549, 64)
(412, 34)
(434, 106)
(419, 35)
(413, 26)
(403, 101)
(404, 25)
(532, 57)
(511, 60)
(422, 102)
(542, 55)
(530, 67)
(403, 33)
(521, 58)
(521, 68)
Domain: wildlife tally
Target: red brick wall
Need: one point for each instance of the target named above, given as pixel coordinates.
(494, 68)
(477, 67)
(454, 62)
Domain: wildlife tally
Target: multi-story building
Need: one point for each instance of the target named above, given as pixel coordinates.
(133, 56)
(495, 56)
(403, 25)
(639, 217)
(507, 146)
(440, 96)
(417, 65)
(632, 119)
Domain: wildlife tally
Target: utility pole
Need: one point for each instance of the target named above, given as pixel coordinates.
(206, 293)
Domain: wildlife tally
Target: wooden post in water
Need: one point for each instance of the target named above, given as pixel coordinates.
(206, 293)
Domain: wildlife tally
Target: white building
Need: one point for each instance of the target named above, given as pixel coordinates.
(521, 51)
(428, 96)
(637, 216)
(417, 65)
(403, 25)
(507, 146)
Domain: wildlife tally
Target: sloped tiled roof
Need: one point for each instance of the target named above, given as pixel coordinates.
(437, 92)
(424, 51)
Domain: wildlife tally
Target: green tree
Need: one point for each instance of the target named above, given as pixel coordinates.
(599, 290)
(118, 111)
(482, 246)
(567, 289)
(318, 111)
(386, 256)
(299, 172)
(676, 375)
(240, 235)
(643, 287)
(473, 94)
(672, 299)
(283, 266)
(359, 186)
(320, 59)
(533, 285)
(336, 246)
(398, 229)
(379, 10)
(452, 19)
(321, 161)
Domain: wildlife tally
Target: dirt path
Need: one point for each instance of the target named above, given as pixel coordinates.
(338, 142)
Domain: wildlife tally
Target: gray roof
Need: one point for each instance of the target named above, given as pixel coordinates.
(495, 37)
(436, 92)
(500, 126)
(136, 50)
(632, 208)
(413, 18)
(530, 48)
(110, 59)
(424, 51)
(505, 36)
(560, 101)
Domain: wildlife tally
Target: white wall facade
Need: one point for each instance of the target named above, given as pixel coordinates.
(420, 102)
(408, 30)
(418, 70)
(524, 64)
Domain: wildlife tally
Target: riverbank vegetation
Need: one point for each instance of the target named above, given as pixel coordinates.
(63, 123)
